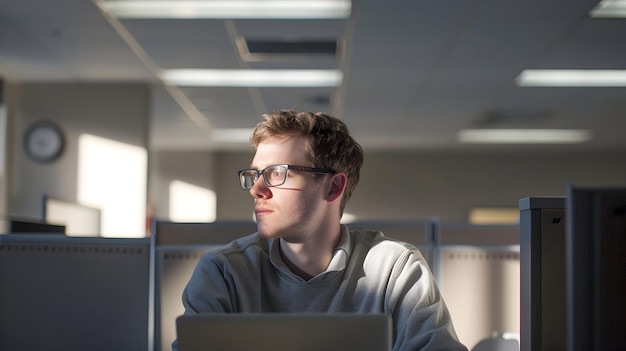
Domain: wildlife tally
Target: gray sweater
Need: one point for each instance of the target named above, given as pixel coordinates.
(369, 273)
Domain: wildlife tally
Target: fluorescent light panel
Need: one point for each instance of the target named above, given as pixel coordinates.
(257, 78)
(571, 78)
(524, 136)
(232, 9)
(609, 9)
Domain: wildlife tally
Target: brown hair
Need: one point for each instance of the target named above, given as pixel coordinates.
(329, 144)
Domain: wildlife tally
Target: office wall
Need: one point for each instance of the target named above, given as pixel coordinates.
(114, 111)
(193, 167)
(422, 185)
(233, 203)
(216, 171)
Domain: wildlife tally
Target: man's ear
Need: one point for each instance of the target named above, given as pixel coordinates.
(338, 183)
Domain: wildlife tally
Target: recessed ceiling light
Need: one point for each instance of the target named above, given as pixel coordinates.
(258, 78)
(524, 136)
(609, 9)
(571, 78)
(231, 9)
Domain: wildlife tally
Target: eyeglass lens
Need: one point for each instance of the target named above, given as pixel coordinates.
(273, 176)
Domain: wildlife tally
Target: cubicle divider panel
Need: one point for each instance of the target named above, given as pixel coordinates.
(178, 247)
(477, 235)
(596, 268)
(214, 233)
(543, 293)
(479, 277)
(481, 289)
(174, 266)
(69, 293)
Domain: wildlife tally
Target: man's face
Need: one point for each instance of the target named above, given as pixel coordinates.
(294, 209)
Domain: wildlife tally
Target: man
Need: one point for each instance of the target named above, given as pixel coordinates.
(302, 259)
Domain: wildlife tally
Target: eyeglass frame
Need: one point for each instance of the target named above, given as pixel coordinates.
(287, 167)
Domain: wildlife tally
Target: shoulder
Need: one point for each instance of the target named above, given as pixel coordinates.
(377, 245)
(376, 238)
(245, 247)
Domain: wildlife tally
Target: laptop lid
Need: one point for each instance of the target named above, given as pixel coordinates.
(284, 332)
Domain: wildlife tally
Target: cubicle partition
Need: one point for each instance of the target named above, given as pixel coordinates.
(477, 268)
(596, 268)
(70, 293)
(543, 319)
(79, 293)
(478, 272)
(178, 247)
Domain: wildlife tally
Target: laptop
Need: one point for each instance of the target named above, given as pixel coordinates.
(284, 332)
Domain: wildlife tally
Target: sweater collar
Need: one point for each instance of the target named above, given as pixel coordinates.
(337, 263)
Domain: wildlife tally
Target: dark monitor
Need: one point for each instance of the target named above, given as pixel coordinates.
(542, 274)
(596, 269)
(67, 293)
(34, 227)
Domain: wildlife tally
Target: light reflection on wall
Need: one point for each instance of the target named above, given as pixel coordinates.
(112, 176)
(491, 215)
(191, 203)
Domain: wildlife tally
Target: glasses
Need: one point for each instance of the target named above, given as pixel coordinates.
(274, 175)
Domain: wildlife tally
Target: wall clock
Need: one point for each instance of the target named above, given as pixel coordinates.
(44, 141)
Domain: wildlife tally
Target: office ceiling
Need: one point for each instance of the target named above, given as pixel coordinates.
(415, 72)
